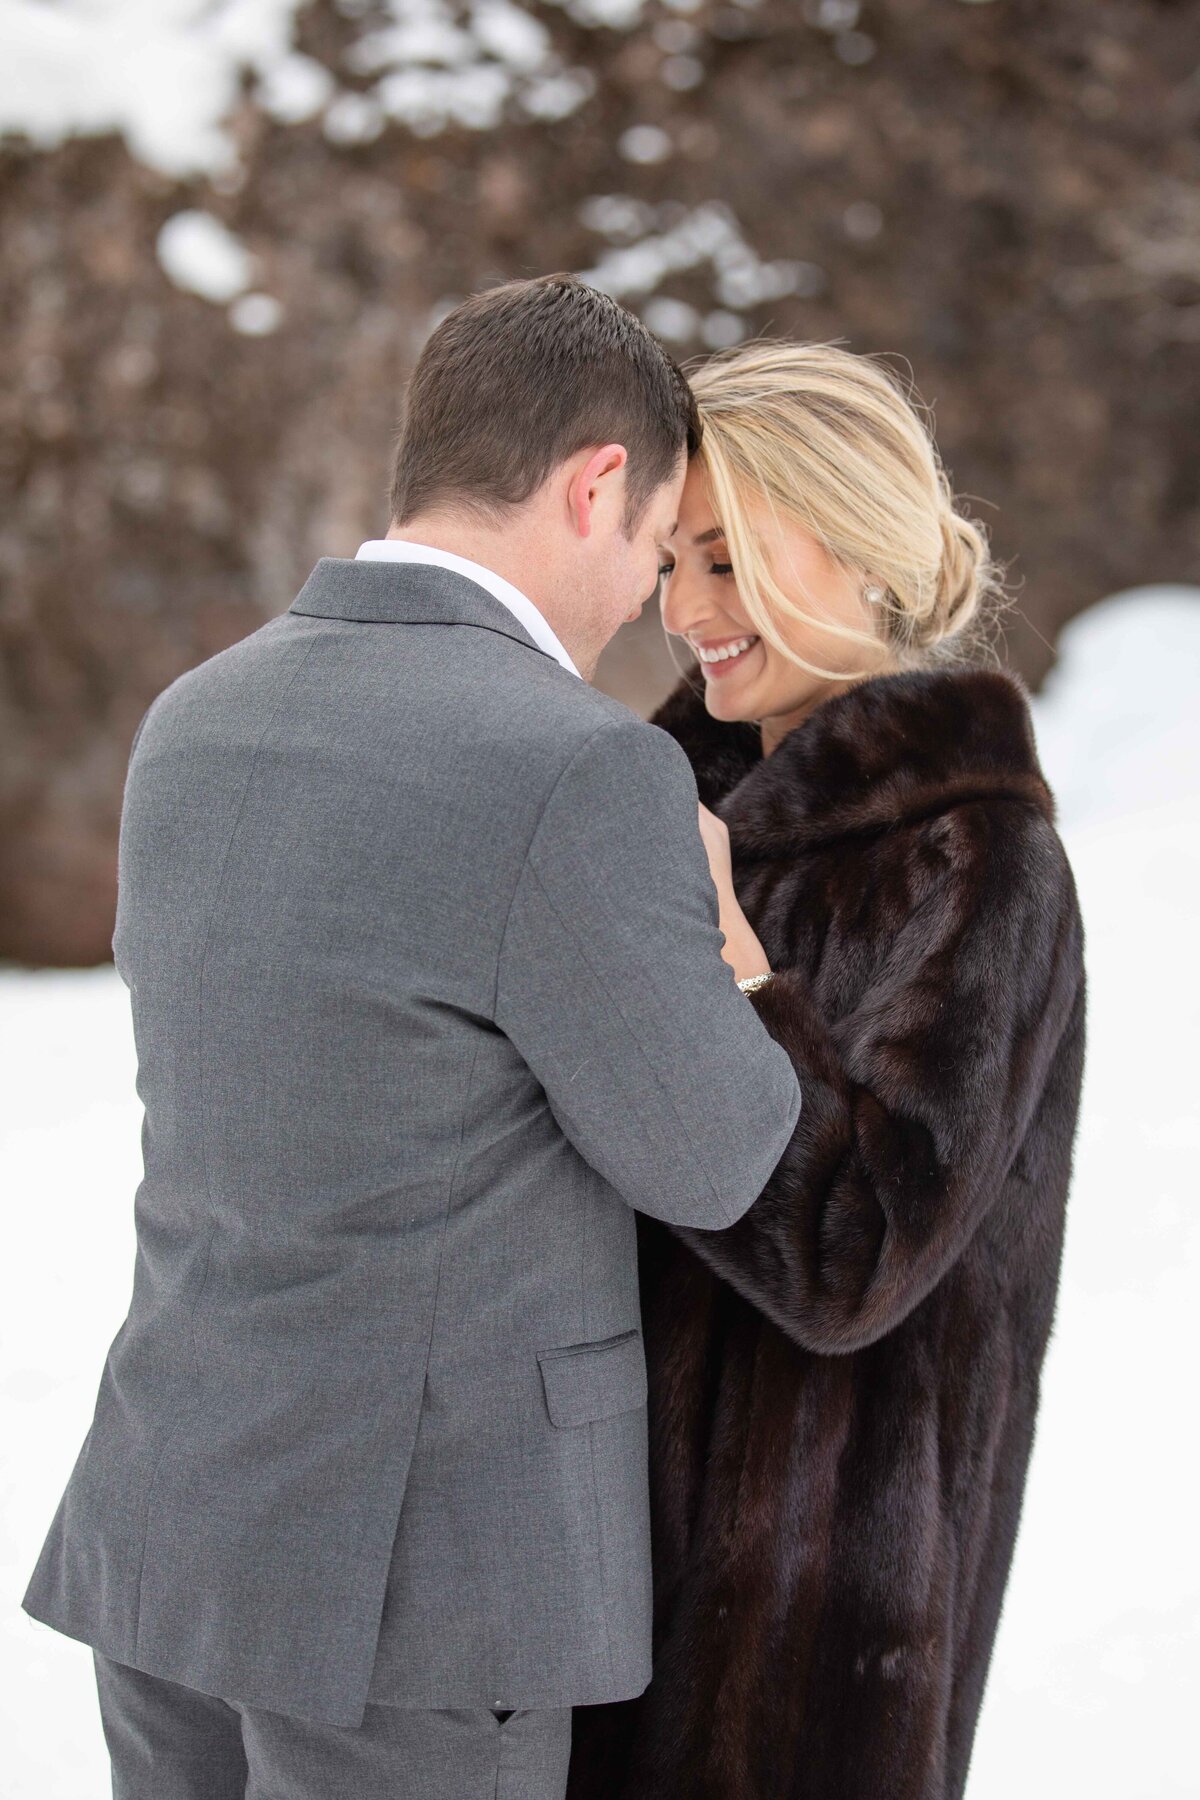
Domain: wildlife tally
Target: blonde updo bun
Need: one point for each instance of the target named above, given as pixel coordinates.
(965, 576)
(833, 441)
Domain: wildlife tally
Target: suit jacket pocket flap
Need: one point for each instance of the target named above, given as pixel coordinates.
(592, 1381)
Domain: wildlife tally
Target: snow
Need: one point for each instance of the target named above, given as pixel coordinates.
(683, 239)
(512, 36)
(256, 315)
(1097, 1659)
(682, 73)
(353, 119)
(426, 99)
(555, 96)
(203, 256)
(644, 144)
(673, 320)
(166, 73)
(862, 220)
(722, 329)
(1098, 1655)
(70, 1150)
(162, 72)
(295, 88)
(618, 15)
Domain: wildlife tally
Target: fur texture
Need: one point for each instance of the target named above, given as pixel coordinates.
(843, 1386)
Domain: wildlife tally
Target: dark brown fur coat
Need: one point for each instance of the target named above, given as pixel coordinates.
(843, 1385)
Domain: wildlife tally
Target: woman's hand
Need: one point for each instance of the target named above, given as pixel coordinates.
(715, 833)
(742, 951)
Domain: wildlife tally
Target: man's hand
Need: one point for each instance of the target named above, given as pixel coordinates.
(742, 951)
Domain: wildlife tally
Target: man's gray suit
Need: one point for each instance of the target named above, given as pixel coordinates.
(424, 961)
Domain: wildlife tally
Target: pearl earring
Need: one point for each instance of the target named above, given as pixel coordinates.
(874, 596)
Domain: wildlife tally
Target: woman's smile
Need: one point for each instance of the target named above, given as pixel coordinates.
(724, 658)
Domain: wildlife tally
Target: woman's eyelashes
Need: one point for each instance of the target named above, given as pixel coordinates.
(718, 569)
(668, 569)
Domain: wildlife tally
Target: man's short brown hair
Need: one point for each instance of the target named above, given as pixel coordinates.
(520, 377)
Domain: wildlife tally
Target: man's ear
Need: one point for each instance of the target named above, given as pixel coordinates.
(590, 482)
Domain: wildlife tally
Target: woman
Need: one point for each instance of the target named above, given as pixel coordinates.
(843, 1385)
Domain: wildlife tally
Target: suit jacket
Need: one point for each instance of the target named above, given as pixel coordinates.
(424, 962)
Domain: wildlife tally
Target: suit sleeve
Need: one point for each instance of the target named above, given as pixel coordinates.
(612, 987)
(918, 1099)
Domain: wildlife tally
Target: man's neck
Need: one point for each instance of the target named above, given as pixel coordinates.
(502, 552)
(510, 553)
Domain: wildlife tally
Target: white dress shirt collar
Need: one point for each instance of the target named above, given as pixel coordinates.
(519, 604)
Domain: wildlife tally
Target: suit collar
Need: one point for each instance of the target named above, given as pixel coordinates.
(404, 593)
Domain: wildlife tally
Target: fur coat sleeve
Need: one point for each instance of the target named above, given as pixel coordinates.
(918, 1094)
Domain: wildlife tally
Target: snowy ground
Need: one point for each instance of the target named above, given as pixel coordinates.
(1098, 1660)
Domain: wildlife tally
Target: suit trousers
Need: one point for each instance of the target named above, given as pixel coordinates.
(169, 1742)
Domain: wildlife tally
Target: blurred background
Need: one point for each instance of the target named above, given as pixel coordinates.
(227, 227)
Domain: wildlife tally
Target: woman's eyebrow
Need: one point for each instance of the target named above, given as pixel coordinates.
(709, 536)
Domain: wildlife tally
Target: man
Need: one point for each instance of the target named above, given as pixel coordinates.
(429, 992)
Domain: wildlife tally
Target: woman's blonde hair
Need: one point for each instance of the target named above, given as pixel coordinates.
(831, 440)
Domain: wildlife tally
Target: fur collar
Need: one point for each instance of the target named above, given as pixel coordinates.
(891, 748)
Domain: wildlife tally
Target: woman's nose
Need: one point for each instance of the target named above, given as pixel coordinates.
(673, 601)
